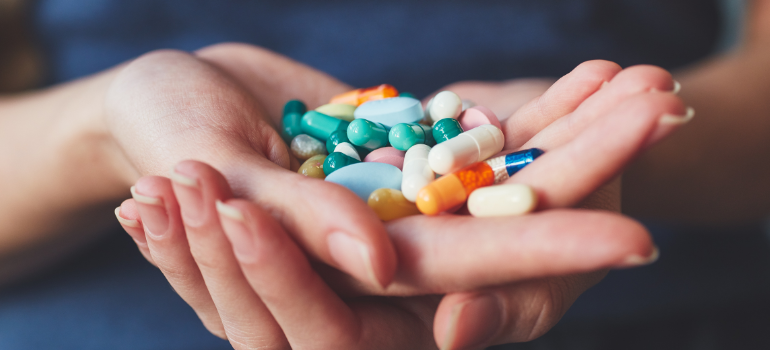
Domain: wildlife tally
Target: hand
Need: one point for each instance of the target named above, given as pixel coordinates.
(629, 246)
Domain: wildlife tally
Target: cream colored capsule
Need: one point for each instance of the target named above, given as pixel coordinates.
(342, 111)
(502, 200)
(416, 171)
(445, 104)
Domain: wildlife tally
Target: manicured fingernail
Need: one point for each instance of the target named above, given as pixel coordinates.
(677, 87)
(473, 323)
(638, 260)
(183, 179)
(126, 222)
(670, 119)
(157, 201)
(189, 196)
(233, 223)
(353, 256)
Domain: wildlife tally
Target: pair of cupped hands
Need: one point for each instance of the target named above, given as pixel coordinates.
(271, 259)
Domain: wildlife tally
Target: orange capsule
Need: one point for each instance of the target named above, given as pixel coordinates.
(359, 96)
(453, 189)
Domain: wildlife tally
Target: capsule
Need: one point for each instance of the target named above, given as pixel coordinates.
(453, 189)
(467, 148)
(304, 147)
(292, 119)
(416, 171)
(342, 111)
(367, 134)
(407, 94)
(446, 129)
(359, 96)
(445, 104)
(502, 200)
(313, 167)
(348, 149)
(403, 136)
(336, 161)
(320, 125)
(390, 204)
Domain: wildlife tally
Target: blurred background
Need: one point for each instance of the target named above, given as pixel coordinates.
(708, 290)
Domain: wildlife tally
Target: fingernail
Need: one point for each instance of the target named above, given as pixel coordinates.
(677, 87)
(138, 237)
(353, 256)
(233, 223)
(637, 260)
(670, 119)
(189, 196)
(183, 179)
(154, 216)
(473, 323)
(126, 222)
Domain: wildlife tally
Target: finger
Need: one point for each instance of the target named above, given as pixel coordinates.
(600, 152)
(167, 244)
(309, 312)
(631, 81)
(564, 97)
(509, 314)
(247, 323)
(128, 217)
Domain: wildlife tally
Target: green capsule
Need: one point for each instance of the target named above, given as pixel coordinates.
(291, 126)
(294, 107)
(336, 161)
(367, 134)
(403, 136)
(446, 129)
(340, 136)
(320, 125)
(407, 94)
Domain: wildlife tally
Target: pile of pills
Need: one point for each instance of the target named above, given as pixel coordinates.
(385, 148)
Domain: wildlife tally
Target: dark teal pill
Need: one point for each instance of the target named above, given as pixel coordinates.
(337, 137)
(320, 125)
(336, 161)
(406, 94)
(403, 136)
(446, 129)
(291, 126)
(367, 134)
(295, 107)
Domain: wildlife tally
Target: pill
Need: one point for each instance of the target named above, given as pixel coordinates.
(446, 129)
(403, 136)
(391, 111)
(348, 149)
(292, 119)
(359, 96)
(390, 204)
(416, 171)
(367, 134)
(502, 200)
(304, 147)
(477, 116)
(453, 189)
(446, 104)
(313, 167)
(467, 148)
(337, 137)
(468, 104)
(365, 178)
(336, 161)
(320, 125)
(342, 111)
(426, 113)
(387, 155)
(407, 94)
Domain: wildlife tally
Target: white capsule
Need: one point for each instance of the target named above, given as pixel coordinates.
(347, 149)
(502, 200)
(445, 104)
(417, 172)
(472, 146)
(304, 147)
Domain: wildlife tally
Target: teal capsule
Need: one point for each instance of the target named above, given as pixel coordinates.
(446, 129)
(295, 107)
(320, 125)
(403, 136)
(406, 94)
(367, 134)
(340, 136)
(292, 119)
(336, 161)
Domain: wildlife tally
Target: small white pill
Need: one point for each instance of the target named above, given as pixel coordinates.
(445, 104)
(502, 200)
(304, 147)
(348, 149)
(417, 172)
(467, 148)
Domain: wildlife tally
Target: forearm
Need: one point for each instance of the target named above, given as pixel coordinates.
(60, 171)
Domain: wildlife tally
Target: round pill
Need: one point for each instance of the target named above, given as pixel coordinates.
(477, 116)
(502, 200)
(390, 204)
(367, 134)
(337, 161)
(365, 178)
(387, 155)
(313, 167)
(342, 111)
(391, 111)
(304, 147)
(446, 129)
(446, 104)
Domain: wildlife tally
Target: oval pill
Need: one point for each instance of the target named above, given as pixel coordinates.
(465, 149)
(359, 96)
(446, 104)
(390, 204)
(477, 116)
(416, 171)
(337, 161)
(367, 134)
(502, 200)
(313, 167)
(303, 147)
(387, 155)
(365, 178)
(446, 129)
(391, 111)
(342, 111)
(320, 125)
(403, 136)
